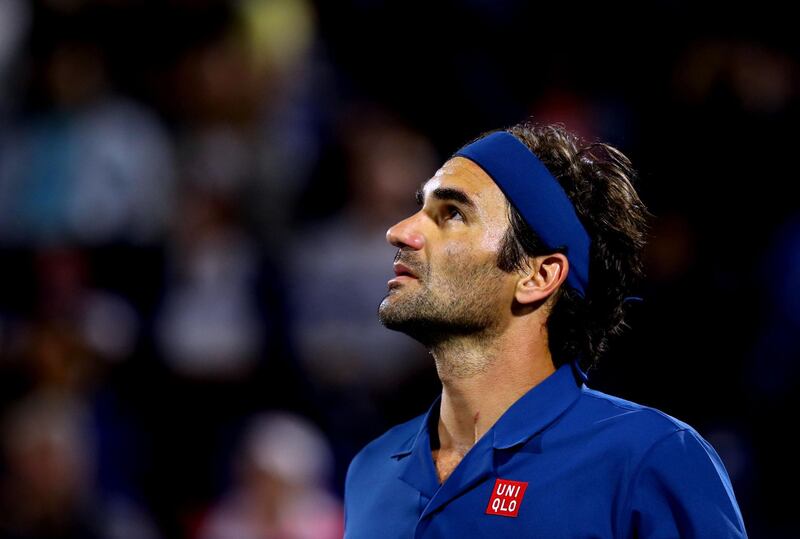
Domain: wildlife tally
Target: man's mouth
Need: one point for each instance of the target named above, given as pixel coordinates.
(402, 273)
(401, 270)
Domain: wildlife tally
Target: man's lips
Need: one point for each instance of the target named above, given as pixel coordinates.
(403, 270)
(402, 273)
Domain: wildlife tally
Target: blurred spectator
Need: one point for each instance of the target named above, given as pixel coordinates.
(337, 270)
(90, 166)
(57, 366)
(210, 324)
(762, 79)
(105, 321)
(339, 267)
(74, 332)
(279, 489)
(590, 117)
(247, 99)
(48, 489)
(221, 331)
(47, 448)
(15, 18)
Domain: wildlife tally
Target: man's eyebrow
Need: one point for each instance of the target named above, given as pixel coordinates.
(456, 195)
(446, 193)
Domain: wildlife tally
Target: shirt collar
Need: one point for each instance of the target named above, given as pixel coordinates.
(421, 435)
(530, 414)
(417, 468)
(539, 407)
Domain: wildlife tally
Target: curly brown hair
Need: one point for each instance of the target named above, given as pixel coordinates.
(599, 180)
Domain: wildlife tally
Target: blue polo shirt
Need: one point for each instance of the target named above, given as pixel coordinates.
(564, 461)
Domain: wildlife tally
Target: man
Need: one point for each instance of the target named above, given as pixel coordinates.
(514, 271)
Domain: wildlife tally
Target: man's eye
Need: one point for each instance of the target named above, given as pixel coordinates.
(454, 213)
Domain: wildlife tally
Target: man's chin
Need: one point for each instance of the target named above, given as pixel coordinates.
(387, 312)
(412, 327)
(393, 315)
(394, 298)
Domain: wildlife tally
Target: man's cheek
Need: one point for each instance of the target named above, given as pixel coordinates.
(455, 253)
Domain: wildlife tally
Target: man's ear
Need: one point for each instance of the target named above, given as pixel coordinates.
(545, 275)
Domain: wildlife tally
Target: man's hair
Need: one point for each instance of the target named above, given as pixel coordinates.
(598, 179)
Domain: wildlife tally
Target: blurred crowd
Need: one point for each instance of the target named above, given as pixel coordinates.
(194, 197)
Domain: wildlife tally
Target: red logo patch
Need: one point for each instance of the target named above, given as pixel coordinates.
(506, 497)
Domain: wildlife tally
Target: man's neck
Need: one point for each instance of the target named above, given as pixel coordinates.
(481, 380)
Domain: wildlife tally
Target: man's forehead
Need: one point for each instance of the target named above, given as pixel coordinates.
(464, 174)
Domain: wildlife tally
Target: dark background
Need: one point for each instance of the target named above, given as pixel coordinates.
(193, 203)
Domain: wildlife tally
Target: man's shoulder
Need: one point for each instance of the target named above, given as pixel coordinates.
(644, 424)
(670, 468)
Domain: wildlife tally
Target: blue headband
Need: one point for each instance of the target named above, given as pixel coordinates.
(537, 195)
(541, 201)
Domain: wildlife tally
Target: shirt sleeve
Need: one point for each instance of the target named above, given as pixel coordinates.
(681, 489)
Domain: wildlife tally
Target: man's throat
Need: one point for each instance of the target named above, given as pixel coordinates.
(446, 461)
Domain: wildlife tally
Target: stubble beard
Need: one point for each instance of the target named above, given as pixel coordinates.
(453, 316)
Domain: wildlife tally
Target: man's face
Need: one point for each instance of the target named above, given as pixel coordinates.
(447, 281)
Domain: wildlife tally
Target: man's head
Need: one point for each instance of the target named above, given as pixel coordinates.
(448, 280)
(476, 263)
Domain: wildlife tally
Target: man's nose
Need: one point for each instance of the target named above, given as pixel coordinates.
(406, 234)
